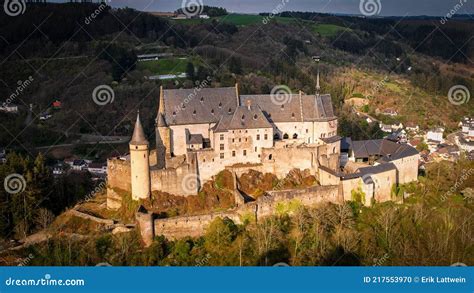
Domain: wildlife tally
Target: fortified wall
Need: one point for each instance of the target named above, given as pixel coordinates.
(267, 205)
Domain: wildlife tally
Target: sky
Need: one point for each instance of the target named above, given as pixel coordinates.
(387, 7)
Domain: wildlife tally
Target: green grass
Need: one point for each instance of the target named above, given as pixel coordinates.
(327, 30)
(164, 66)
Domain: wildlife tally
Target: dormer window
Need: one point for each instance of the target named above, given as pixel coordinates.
(220, 104)
(212, 111)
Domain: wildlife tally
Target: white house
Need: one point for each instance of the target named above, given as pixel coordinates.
(435, 135)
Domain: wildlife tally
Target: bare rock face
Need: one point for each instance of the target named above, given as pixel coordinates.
(114, 200)
(121, 229)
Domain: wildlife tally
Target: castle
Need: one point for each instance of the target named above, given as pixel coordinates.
(202, 131)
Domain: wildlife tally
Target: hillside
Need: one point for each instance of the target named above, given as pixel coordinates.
(363, 57)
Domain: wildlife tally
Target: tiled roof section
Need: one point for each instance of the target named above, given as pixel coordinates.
(381, 147)
(331, 139)
(195, 139)
(244, 117)
(192, 106)
(376, 169)
(296, 109)
(290, 111)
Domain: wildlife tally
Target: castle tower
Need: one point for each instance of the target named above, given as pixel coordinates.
(163, 135)
(140, 164)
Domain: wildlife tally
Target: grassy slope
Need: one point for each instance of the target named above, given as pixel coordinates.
(325, 30)
(164, 66)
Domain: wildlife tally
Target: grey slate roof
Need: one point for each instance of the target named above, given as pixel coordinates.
(296, 109)
(138, 137)
(192, 106)
(244, 117)
(387, 149)
(208, 105)
(195, 139)
(376, 169)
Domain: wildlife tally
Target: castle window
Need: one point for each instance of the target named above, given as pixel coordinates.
(276, 136)
(255, 117)
(221, 155)
(295, 136)
(212, 111)
(229, 111)
(258, 136)
(285, 136)
(222, 147)
(292, 115)
(265, 136)
(282, 107)
(255, 149)
(306, 130)
(245, 152)
(233, 140)
(174, 114)
(194, 112)
(221, 137)
(243, 117)
(270, 156)
(220, 104)
(233, 153)
(202, 99)
(240, 140)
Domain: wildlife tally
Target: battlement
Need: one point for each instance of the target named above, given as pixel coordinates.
(195, 226)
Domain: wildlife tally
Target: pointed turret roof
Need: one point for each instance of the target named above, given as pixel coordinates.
(138, 137)
(161, 120)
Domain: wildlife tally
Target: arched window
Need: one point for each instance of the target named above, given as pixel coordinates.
(270, 156)
(295, 136)
(276, 136)
(285, 136)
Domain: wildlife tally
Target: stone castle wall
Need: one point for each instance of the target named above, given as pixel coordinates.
(195, 226)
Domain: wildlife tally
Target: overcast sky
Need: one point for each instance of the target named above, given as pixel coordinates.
(388, 7)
